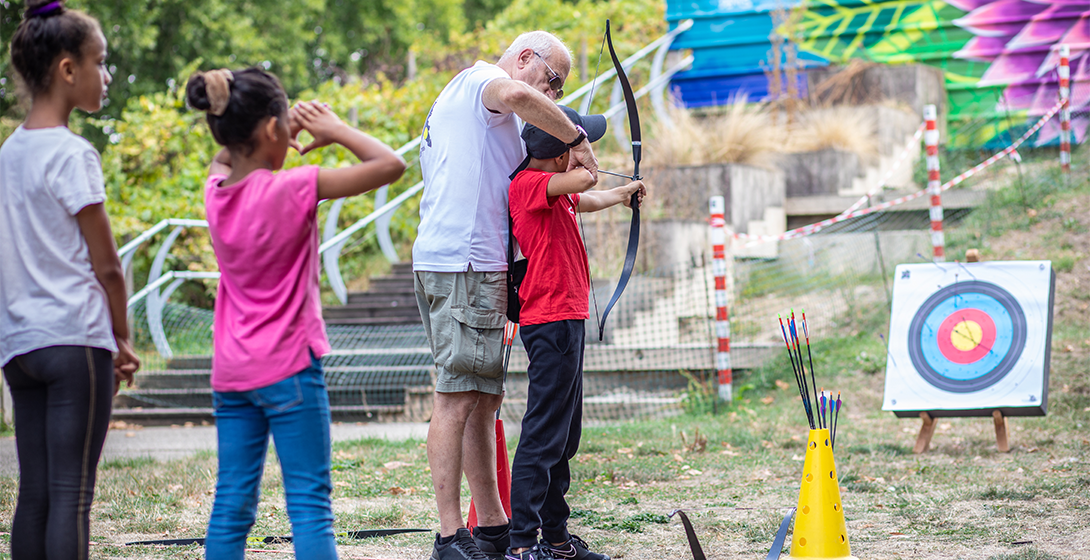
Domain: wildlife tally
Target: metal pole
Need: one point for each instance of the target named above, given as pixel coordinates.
(934, 184)
(1065, 109)
(722, 297)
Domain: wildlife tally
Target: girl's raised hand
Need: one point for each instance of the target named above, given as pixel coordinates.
(317, 119)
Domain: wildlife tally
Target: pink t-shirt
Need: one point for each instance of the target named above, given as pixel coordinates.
(268, 316)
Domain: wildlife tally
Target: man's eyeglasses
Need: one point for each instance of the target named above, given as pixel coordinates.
(555, 83)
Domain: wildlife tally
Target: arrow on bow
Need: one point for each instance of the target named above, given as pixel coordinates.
(637, 153)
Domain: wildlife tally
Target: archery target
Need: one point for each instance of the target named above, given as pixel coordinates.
(970, 338)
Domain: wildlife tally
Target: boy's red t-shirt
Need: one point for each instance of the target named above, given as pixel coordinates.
(557, 283)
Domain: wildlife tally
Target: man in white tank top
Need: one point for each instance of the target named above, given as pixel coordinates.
(469, 148)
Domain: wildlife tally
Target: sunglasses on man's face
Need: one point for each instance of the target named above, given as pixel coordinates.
(555, 83)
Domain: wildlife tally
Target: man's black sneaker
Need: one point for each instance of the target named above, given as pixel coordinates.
(493, 547)
(535, 552)
(461, 548)
(574, 548)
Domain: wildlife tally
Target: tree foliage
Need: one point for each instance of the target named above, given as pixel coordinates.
(155, 151)
(305, 42)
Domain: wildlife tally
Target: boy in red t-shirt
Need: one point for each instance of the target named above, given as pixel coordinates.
(543, 202)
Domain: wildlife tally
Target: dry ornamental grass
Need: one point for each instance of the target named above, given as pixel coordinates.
(751, 134)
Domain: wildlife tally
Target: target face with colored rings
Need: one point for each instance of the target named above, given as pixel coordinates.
(967, 336)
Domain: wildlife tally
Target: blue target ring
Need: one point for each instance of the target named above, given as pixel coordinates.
(967, 336)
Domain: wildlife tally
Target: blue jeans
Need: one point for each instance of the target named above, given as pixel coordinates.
(296, 412)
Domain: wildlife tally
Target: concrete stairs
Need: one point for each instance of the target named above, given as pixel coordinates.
(380, 367)
(372, 384)
(389, 301)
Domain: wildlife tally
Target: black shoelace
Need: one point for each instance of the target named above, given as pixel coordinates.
(468, 548)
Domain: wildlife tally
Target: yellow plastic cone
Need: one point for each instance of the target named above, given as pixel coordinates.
(820, 531)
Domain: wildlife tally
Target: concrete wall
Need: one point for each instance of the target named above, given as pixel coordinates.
(682, 193)
(832, 172)
(855, 253)
(912, 84)
(824, 172)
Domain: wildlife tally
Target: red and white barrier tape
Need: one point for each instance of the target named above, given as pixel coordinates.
(816, 227)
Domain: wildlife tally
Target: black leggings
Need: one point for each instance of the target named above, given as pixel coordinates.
(62, 396)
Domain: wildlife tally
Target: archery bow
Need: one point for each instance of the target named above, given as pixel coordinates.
(634, 232)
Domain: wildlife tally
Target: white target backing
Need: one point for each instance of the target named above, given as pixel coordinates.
(969, 338)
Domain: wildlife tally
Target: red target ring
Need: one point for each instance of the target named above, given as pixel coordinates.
(966, 336)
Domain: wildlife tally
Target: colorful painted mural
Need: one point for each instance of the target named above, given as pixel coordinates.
(999, 56)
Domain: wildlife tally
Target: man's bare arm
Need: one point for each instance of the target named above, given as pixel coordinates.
(532, 106)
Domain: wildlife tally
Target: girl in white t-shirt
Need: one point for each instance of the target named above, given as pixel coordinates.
(62, 290)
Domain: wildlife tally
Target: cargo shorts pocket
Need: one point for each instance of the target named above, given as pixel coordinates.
(477, 341)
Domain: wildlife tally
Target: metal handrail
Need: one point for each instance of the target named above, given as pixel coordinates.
(167, 277)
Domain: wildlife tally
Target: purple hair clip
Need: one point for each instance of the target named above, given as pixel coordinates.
(47, 8)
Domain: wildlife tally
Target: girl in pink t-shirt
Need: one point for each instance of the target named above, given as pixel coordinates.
(269, 334)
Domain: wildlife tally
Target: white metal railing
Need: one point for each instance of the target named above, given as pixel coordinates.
(334, 241)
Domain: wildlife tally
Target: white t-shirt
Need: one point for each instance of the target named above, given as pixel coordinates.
(467, 154)
(49, 295)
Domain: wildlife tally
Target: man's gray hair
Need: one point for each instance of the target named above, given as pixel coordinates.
(542, 42)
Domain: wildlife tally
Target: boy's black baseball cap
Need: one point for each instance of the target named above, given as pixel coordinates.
(542, 145)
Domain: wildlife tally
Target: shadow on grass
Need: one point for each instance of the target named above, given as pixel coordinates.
(1031, 553)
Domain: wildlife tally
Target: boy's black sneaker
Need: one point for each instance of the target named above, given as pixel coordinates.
(493, 547)
(461, 548)
(535, 552)
(574, 548)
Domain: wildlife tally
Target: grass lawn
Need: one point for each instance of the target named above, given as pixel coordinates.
(737, 471)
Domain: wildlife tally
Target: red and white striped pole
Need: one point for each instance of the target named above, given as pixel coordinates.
(1065, 109)
(934, 184)
(722, 318)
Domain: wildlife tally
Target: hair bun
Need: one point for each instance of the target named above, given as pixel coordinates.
(196, 93)
(44, 9)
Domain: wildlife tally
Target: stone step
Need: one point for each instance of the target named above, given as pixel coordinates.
(398, 352)
(391, 392)
(392, 284)
(402, 268)
(354, 310)
(174, 379)
(355, 369)
(377, 321)
(375, 299)
(189, 362)
(197, 415)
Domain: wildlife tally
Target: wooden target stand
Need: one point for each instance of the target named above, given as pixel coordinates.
(923, 439)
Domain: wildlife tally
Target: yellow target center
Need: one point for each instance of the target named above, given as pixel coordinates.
(966, 335)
